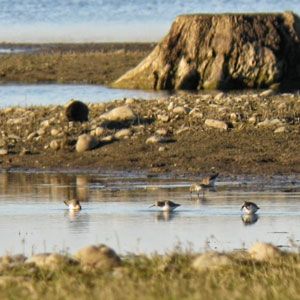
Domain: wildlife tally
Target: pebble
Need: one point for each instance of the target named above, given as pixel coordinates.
(216, 124)
(129, 101)
(107, 139)
(252, 120)
(280, 129)
(180, 110)
(3, 151)
(181, 130)
(266, 123)
(31, 136)
(54, 132)
(54, 145)
(219, 96)
(161, 131)
(163, 118)
(155, 139)
(162, 149)
(99, 131)
(267, 93)
(123, 133)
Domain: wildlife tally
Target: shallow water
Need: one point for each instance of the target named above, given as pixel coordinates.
(115, 211)
(60, 94)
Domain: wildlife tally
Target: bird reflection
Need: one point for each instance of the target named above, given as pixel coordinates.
(249, 219)
(72, 214)
(165, 216)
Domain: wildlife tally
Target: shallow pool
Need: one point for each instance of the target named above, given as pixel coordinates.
(115, 211)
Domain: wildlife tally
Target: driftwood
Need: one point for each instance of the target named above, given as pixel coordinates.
(222, 51)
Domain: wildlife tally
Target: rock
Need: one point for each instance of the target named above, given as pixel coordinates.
(52, 261)
(24, 151)
(161, 131)
(54, 132)
(216, 124)
(163, 118)
(162, 149)
(46, 123)
(171, 106)
(219, 96)
(41, 131)
(252, 120)
(31, 136)
(268, 93)
(77, 111)
(123, 133)
(107, 139)
(155, 139)
(121, 113)
(182, 130)
(16, 121)
(3, 151)
(86, 142)
(211, 260)
(180, 110)
(98, 257)
(99, 131)
(281, 129)
(55, 145)
(216, 51)
(129, 101)
(264, 252)
(282, 106)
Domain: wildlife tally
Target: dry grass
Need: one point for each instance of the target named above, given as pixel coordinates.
(158, 277)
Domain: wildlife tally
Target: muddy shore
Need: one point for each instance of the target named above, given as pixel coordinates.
(255, 133)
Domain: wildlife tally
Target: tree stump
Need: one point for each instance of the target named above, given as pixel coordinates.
(225, 51)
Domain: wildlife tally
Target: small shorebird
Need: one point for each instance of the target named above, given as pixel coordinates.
(73, 204)
(208, 182)
(166, 205)
(250, 207)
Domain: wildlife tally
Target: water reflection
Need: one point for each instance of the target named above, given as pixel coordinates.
(165, 216)
(249, 219)
(115, 211)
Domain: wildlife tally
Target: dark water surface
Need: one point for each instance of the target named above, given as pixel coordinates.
(115, 211)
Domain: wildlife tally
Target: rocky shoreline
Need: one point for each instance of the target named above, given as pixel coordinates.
(242, 133)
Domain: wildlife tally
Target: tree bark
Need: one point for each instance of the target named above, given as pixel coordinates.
(225, 51)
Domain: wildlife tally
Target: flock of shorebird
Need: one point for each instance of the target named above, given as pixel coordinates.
(208, 183)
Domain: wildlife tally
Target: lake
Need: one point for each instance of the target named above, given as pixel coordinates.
(115, 211)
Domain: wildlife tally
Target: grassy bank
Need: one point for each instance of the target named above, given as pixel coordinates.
(158, 277)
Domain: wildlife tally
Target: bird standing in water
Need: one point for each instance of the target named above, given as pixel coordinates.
(250, 207)
(73, 204)
(208, 182)
(166, 205)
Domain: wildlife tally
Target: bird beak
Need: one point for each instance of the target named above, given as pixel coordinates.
(152, 205)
